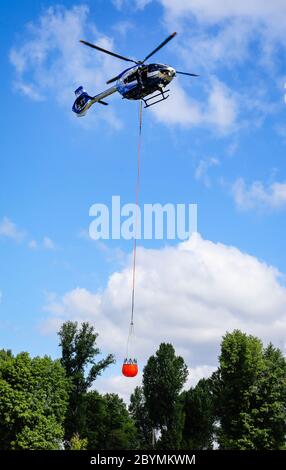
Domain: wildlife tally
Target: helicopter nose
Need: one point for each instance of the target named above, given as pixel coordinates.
(169, 72)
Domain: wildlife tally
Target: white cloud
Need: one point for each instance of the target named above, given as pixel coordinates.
(119, 384)
(201, 173)
(33, 244)
(138, 4)
(123, 386)
(219, 111)
(198, 373)
(178, 109)
(29, 90)
(123, 27)
(210, 11)
(237, 25)
(189, 295)
(259, 196)
(9, 230)
(48, 244)
(219, 35)
(50, 61)
(118, 3)
(203, 51)
(222, 108)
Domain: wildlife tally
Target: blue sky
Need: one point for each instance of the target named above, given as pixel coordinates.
(219, 141)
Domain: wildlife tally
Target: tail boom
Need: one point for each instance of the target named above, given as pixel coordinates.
(83, 101)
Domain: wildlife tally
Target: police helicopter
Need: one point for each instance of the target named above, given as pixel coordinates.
(142, 81)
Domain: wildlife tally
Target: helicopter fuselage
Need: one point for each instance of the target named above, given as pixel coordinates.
(142, 80)
(134, 83)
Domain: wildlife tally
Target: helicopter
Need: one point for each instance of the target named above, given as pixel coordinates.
(138, 82)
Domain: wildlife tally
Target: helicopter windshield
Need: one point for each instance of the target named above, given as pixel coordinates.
(155, 67)
(130, 78)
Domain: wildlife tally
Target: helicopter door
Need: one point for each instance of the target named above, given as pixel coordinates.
(132, 77)
(143, 72)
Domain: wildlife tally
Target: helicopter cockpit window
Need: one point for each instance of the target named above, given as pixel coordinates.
(130, 78)
(154, 67)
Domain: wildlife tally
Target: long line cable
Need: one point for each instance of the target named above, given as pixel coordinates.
(131, 329)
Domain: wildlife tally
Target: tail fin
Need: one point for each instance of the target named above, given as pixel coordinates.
(82, 102)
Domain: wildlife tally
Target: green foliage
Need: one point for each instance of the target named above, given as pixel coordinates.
(272, 398)
(42, 433)
(108, 423)
(163, 378)
(172, 434)
(242, 406)
(250, 394)
(78, 354)
(76, 443)
(139, 413)
(33, 402)
(199, 416)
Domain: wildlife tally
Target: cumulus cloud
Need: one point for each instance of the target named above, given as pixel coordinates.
(209, 11)
(198, 373)
(238, 24)
(10, 230)
(119, 384)
(219, 110)
(258, 195)
(50, 61)
(29, 90)
(138, 4)
(123, 386)
(217, 38)
(189, 295)
(201, 173)
(48, 244)
(33, 244)
(123, 27)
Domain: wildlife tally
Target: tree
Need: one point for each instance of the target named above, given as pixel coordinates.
(77, 443)
(33, 402)
(78, 358)
(250, 394)
(273, 397)
(199, 416)
(163, 379)
(139, 413)
(265, 421)
(241, 362)
(108, 423)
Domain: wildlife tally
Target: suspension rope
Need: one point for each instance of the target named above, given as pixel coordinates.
(131, 328)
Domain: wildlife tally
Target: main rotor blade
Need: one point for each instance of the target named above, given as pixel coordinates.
(107, 52)
(111, 80)
(186, 73)
(160, 46)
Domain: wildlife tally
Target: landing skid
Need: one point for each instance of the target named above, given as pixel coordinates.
(162, 94)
